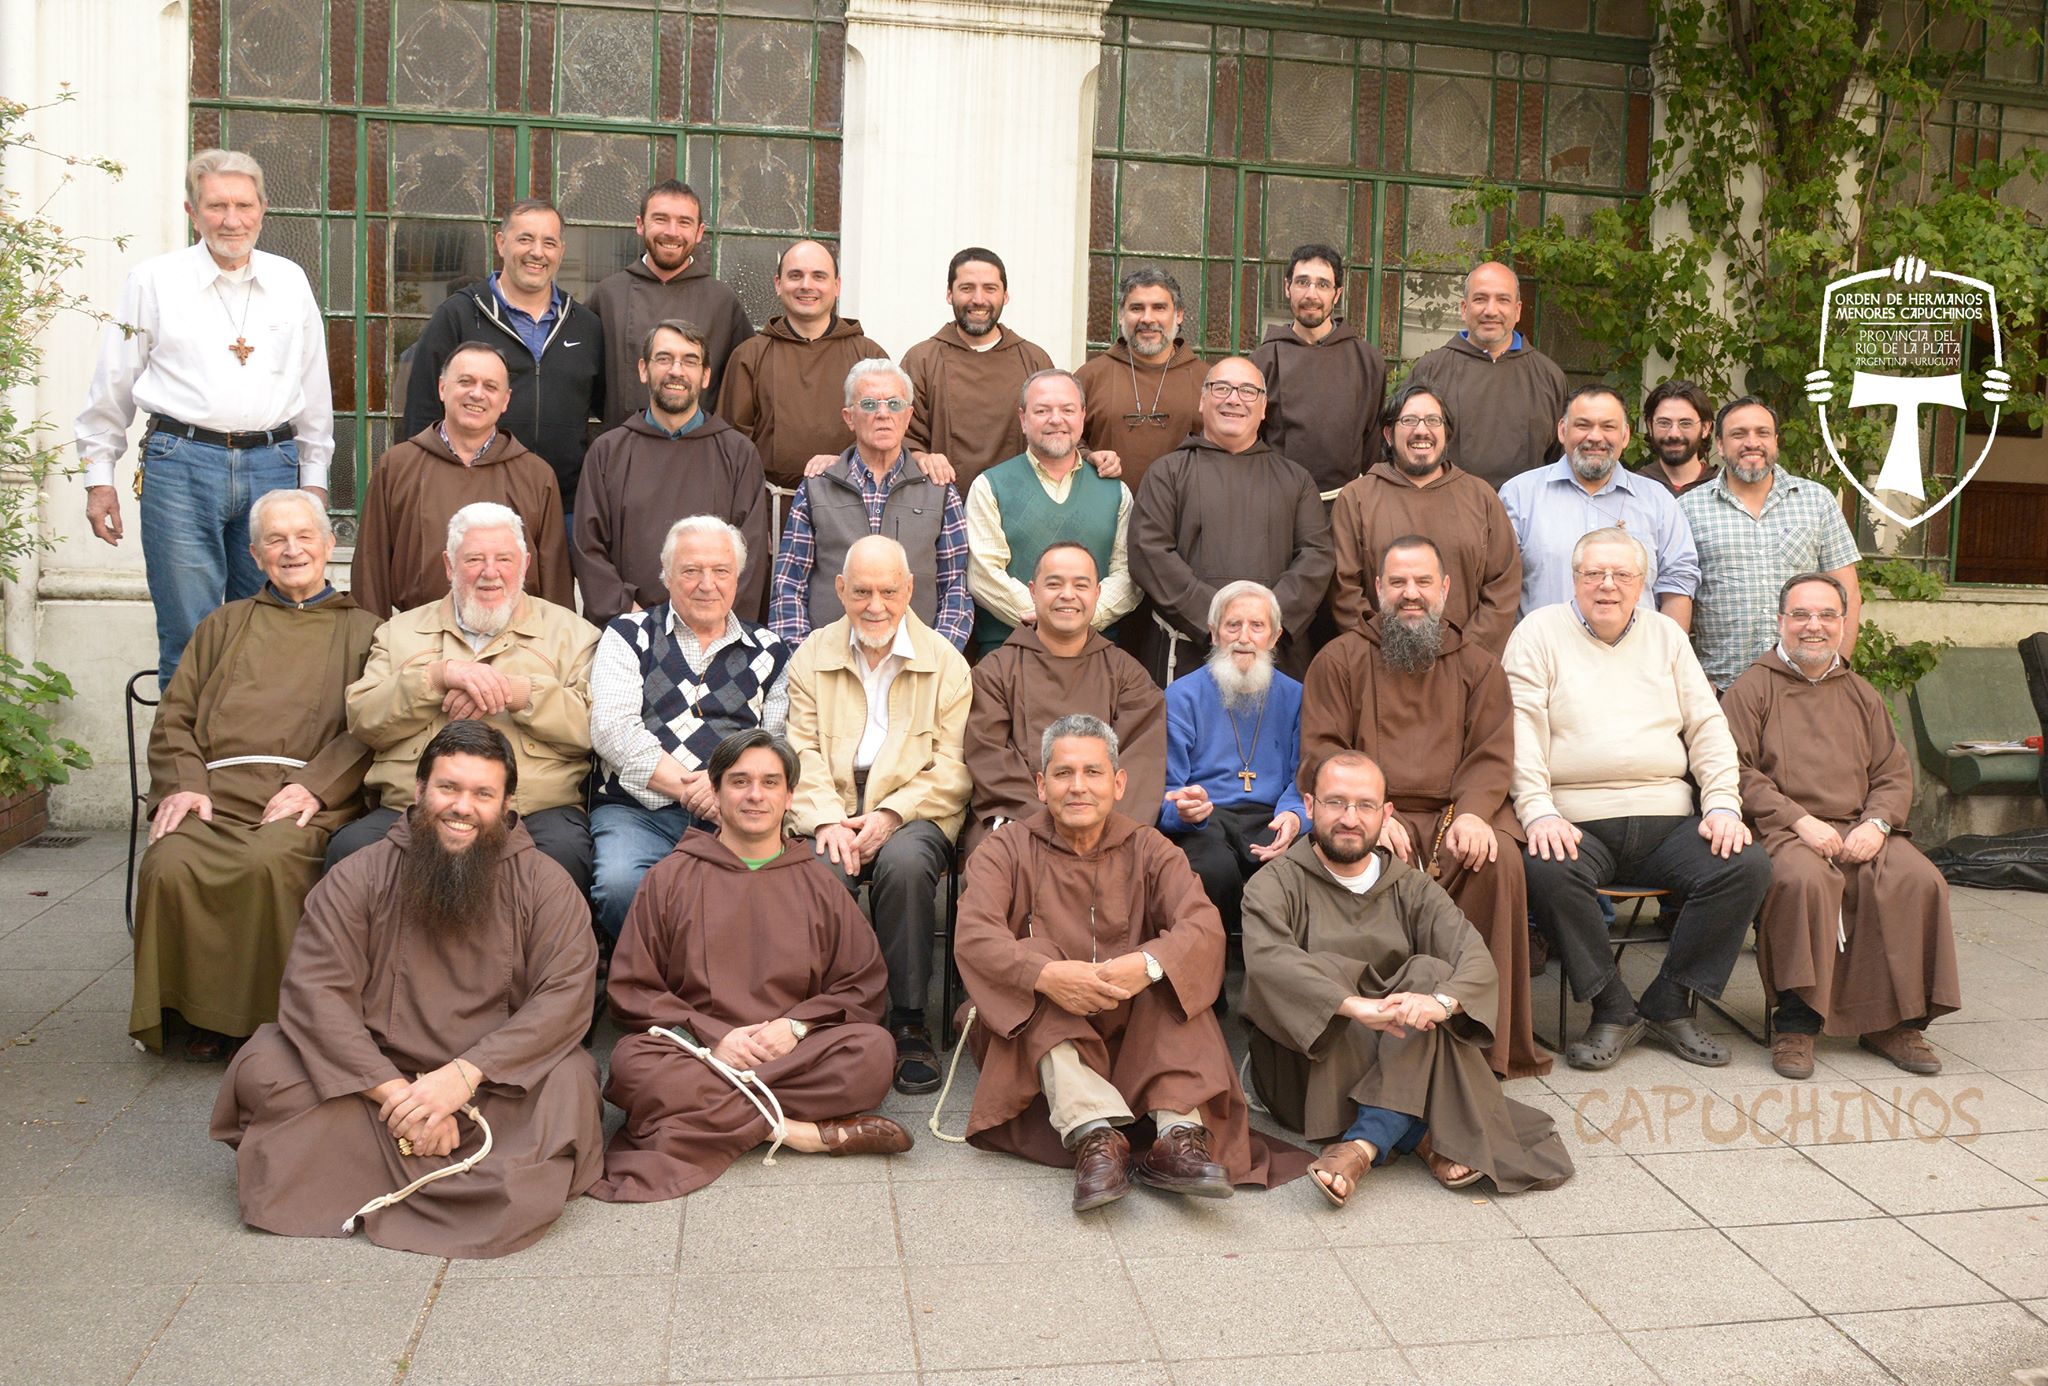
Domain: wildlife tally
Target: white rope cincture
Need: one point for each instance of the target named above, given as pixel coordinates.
(959, 1047)
(459, 1167)
(770, 1109)
(285, 761)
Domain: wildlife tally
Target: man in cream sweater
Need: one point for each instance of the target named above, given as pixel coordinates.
(1611, 713)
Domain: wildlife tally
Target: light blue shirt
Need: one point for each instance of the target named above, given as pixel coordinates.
(1551, 512)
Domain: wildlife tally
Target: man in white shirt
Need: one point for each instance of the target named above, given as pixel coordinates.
(221, 345)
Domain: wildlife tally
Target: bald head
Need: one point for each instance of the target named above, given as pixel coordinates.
(1233, 403)
(874, 587)
(1492, 306)
(807, 285)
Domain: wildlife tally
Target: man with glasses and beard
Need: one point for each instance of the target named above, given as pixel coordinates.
(1369, 999)
(1327, 381)
(1432, 707)
(448, 965)
(1675, 418)
(1233, 746)
(1414, 490)
(966, 373)
(670, 459)
(487, 651)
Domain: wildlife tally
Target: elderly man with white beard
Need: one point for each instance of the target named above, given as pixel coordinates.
(1589, 489)
(1233, 749)
(492, 652)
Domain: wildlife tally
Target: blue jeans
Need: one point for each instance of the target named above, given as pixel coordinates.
(195, 530)
(629, 839)
(1390, 1133)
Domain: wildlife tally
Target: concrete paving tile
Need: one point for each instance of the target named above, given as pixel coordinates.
(592, 1239)
(92, 1093)
(746, 1228)
(852, 1321)
(1848, 1059)
(1832, 1109)
(1648, 1066)
(1759, 1354)
(2007, 1247)
(1851, 1267)
(1963, 1105)
(2031, 1080)
(2022, 1154)
(934, 1160)
(66, 936)
(1915, 1176)
(1467, 1292)
(793, 1168)
(1281, 1302)
(71, 1036)
(582, 1330)
(113, 992)
(1581, 1359)
(120, 1239)
(1670, 1279)
(1997, 1045)
(39, 993)
(1375, 1367)
(1964, 1346)
(1601, 1196)
(862, 1379)
(1067, 1374)
(18, 907)
(1662, 1120)
(1733, 1188)
(179, 1093)
(1400, 1203)
(996, 1315)
(87, 1333)
(340, 1335)
(33, 1153)
(1149, 1223)
(1002, 1220)
(248, 1255)
(149, 1157)
(56, 876)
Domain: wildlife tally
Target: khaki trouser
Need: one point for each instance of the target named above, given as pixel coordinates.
(1076, 1094)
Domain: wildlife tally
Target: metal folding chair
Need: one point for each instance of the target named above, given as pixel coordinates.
(137, 796)
(1625, 933)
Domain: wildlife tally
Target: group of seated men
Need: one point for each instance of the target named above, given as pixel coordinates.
(1381, 831)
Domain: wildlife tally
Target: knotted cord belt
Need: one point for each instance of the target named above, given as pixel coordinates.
(770, 1108)
(286, 761)
(959, 1047)
(458, 1167)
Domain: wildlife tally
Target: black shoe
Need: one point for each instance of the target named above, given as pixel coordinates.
(917, 1064)
(1604, 1043)
(1688, 1041)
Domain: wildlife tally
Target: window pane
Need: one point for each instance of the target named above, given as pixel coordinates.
(442, 51)
(276, 50)
(606, 64)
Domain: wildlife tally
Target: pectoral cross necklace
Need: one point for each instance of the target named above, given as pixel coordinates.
(1247, 774)
(240, 346)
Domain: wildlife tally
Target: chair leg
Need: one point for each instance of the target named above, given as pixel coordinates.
(949, 995)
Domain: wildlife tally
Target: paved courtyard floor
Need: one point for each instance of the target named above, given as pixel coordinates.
(1866, 1226)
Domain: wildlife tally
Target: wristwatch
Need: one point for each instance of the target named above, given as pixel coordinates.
(1153, 971)
(1880, 825)
(798, 1028)
(1450, 1006)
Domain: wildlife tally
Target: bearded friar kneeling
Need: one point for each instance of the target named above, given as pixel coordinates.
(448, 967)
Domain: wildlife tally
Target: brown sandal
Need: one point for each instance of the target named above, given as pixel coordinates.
(1346, 1160)
(1439, 1163)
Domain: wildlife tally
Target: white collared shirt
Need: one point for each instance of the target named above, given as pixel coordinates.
(179, 364)
(875, 682)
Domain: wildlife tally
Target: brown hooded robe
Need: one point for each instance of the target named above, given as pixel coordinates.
(967, 400)
(1116, 388)
(785, 392)
(1458, 513)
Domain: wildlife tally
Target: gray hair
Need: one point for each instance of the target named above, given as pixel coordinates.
(1232, 591)
(269, 500)
(702, 524)
(1076, 724)
(209, 162)
(1049, 373)
(868, 542)
(1148, 277)
(484, 515)
(1612, 534)
(877, 365)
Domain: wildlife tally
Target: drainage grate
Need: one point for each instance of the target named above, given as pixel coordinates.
(55, 840)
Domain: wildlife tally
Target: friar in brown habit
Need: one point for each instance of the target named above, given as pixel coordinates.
(1092, 957)
(1055, 665)
(1368, 997)
(1433, 708)
(449, 965)
(251, 766)
(748, 943)
(1856, 933)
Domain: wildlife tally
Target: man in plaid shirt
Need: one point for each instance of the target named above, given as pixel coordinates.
(873, 488)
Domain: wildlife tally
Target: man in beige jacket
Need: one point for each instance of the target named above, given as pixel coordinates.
(877, 713)
(492, 652)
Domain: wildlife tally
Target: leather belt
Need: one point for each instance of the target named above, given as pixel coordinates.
(269, 437)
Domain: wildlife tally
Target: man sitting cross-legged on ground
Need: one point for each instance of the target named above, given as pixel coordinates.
(1371, 1003)
(747, 941)
(448, 965)
(1069, 923)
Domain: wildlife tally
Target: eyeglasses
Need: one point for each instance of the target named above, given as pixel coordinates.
(1225, 389)
(1338, 808)
(1799, 617)
(1600, 577)
(1303, 281)
(662, 360)
(1420, 421)
(871, 405)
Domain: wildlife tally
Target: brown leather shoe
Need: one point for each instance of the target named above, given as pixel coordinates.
(1179, 1162)
(863, 1135)
(1102, 1169)
(1792, 1055)
(1906, 1047)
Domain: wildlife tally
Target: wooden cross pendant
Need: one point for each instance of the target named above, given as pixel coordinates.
(1247, 775)
(242, 351)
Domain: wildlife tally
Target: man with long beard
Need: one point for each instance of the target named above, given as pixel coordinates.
(1589, 489)
(1675, 416)
(1233, 746)
(449, 966)
(492, 652)
(1369, 998)
(1756, 525)
(1432, 708)
(965, 374)
(671, 459)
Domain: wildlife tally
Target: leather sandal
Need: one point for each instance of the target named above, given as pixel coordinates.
(1346, 1160)
(1603, 1044)
(1439, 1163)
(1688, 1041)
(863, 1135)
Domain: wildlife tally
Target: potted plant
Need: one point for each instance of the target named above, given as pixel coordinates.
(32, 756)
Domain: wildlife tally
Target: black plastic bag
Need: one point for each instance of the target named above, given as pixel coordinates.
(2013, 861)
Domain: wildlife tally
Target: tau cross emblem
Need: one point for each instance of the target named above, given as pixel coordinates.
(1247, 775)
(242, 351)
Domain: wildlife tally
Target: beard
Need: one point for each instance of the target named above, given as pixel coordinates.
(1241, 689)
(1590, 468)
(679, 398)
(965, 320)
(1678, 451)
(878, 643)
(1750, 476)
(480, 619)
(448, 894)
(1412, 648)
(1343, 854)
(1408, 465)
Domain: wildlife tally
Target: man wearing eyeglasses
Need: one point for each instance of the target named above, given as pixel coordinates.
(873, 488)
(1612, 715)
(1224, 507)
(1675, 416)
(1413, 490)
(1326, 382)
